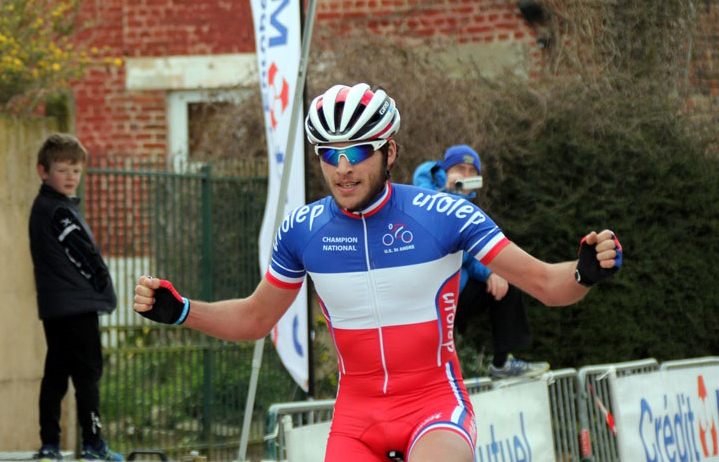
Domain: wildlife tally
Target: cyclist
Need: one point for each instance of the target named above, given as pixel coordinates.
(390, 308)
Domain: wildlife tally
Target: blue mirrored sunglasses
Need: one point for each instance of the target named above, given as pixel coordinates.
(354, 153)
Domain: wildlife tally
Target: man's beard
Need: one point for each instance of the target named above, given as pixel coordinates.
(373, 192)
(371, 195)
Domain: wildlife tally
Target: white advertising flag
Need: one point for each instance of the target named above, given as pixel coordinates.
(277, 34)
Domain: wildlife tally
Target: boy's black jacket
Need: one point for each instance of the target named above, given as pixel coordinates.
(70, 275)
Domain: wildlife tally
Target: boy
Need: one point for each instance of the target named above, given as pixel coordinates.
(73, 286)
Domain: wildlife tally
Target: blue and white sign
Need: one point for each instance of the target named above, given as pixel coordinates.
(668, 416)
(277, 34)
(514, 424)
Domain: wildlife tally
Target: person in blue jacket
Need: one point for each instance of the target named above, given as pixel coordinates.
(480, 289)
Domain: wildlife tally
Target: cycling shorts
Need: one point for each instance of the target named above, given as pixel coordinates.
(365, 428)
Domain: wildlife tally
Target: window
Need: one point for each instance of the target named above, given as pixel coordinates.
(199, 122)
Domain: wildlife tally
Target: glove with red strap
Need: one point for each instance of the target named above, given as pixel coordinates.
(169, 307)
(589, 271)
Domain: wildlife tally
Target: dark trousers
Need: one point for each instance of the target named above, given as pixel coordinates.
(73, 351)
(507, 317)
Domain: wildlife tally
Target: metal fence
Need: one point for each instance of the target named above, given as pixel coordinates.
(170, 388)
(300, 413)
(599, 440)
(576, 399)
(562, 387)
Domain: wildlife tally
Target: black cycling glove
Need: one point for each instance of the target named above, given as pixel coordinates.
(169, 306)
(588, 271)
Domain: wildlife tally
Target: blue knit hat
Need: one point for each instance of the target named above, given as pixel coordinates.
(461, 154)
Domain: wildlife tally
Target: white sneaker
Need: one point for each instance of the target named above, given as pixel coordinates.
(514, 367)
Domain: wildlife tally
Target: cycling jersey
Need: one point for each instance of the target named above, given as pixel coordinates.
(387, 280)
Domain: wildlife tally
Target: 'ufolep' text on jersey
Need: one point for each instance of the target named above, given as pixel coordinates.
(387, 278)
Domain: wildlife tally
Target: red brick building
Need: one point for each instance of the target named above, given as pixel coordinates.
(170, 49)
(124, 108)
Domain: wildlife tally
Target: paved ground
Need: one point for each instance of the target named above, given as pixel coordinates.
(24, 456)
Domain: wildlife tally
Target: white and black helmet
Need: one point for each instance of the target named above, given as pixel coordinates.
(355, 113)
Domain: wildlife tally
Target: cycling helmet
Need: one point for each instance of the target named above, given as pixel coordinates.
(355, 113)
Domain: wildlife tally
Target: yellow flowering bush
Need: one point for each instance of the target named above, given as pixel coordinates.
(37, 52)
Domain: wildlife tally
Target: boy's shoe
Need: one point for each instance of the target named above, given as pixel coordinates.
(48, 453)
(514, 367)
(99, 452)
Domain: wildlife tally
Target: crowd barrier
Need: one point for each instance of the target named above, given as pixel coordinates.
(566, 415)
(597, 433)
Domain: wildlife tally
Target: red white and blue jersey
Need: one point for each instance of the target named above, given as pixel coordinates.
(387, 277)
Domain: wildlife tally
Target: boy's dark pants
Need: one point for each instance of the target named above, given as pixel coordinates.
(73, 351)
(507, 317)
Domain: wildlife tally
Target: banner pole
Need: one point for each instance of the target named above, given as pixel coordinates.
(308, 296)
(279, 216)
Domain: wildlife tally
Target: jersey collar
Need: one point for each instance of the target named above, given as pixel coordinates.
(375, 206)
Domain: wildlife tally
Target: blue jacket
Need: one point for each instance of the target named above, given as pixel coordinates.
(431, 176)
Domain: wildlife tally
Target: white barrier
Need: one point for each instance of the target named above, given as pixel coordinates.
(307, 443)
(595, 408)
(546, 418)
(281, 416)
(514, 423)
(670, 414)
(695, 362)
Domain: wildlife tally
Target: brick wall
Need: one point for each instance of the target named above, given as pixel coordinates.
(464, 20)
(706, 56)
(111, 119)
(703, 103)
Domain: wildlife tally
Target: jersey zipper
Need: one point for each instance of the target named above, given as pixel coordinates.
(374, 301)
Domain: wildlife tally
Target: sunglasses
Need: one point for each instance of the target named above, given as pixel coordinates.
(354, 153)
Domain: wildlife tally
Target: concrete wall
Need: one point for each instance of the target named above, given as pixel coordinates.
(22, 341)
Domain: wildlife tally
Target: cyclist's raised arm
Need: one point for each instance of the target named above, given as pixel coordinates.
(249, 318)
(557, 284)
(240, 319)
(551, 283)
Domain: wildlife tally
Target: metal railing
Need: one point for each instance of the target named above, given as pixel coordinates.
(694, 362)
(164, 387)
(561, 383)
(562, 386)
(301, 413)
(597, 436)
(478, 384)
(576, 400)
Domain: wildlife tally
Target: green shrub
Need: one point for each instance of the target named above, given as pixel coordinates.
(40, 52)
(647, 180)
